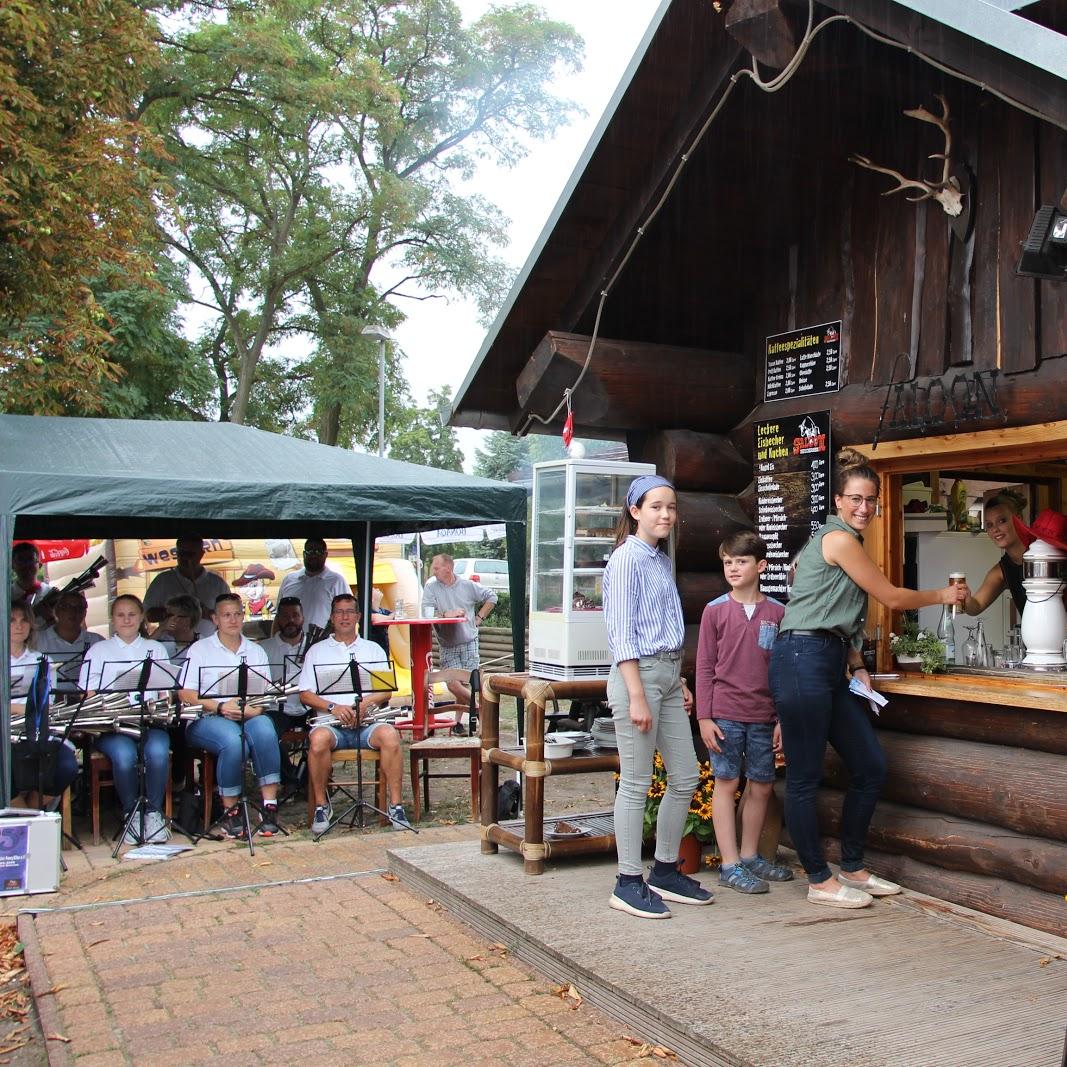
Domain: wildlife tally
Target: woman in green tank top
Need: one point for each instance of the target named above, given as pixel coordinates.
(819, 642)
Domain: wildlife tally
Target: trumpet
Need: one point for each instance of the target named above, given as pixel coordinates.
(260, 701)
(326, 719)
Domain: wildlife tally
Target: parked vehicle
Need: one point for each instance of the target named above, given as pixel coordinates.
(490, 572)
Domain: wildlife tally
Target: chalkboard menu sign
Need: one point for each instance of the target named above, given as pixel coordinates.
(792, 462)
(803, 362)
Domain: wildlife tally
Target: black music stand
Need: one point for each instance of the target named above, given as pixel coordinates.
(238, 683)
(138, 677)
(347, 679)
(291, 666)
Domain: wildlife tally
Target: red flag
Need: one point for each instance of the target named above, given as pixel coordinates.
(568, 429)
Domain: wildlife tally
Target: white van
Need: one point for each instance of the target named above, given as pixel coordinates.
(492, 573)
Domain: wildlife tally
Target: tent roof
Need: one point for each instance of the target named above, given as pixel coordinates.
(112, 477)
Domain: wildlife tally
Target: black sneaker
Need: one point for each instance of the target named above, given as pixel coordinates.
(233, 824)
(680, 888)
(268, 825)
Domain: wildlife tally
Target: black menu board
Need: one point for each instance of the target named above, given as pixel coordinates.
(803, 362)
(792, 464)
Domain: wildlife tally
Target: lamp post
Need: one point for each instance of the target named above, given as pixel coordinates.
(382, 336)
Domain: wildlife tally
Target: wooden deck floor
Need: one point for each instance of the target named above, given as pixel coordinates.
(772, 980)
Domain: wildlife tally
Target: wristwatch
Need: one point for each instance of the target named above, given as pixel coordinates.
(329, 708)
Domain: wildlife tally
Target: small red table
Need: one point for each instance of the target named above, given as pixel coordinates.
(421, 653)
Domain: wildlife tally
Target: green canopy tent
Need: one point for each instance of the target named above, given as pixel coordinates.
(63, 478)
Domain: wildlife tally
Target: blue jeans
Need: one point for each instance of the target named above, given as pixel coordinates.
(747, 744)
(672, 735)
(222, 737)
(351, 737)
(122, 751)
(810, 690)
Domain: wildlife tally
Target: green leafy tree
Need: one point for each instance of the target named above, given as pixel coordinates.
(76, 192)
(419, 436)
(501, 456)
(314, 145)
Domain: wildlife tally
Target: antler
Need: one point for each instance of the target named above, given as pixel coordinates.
(947, 191)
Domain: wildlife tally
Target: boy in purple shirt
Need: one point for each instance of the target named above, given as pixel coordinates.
(735, 711)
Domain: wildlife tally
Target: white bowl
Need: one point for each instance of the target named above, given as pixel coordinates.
(558, 748)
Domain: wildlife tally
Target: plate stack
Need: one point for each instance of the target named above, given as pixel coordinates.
(604, 733)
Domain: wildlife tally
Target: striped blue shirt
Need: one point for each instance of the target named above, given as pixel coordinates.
(641, 606)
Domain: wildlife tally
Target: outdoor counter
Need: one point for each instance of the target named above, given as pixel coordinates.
(1047, 691)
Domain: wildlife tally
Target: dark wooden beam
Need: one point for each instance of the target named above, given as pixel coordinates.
(635, 386)
(764, 29)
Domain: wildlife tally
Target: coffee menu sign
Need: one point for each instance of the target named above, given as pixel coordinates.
(803, 362)
(792, 463)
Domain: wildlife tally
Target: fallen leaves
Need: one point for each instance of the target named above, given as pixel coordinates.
(57, 1037)
(1046, 960)
(646, 1050)
(386, 876)
(569, 995)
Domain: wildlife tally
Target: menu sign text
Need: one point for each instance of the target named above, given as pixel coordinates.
(803, 362)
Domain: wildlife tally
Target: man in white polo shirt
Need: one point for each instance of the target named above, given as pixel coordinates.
(314, 585)
(189, 578)
(67, 640)
(349, 707)
(219, 730)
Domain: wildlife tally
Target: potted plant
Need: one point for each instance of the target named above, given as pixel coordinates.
(698, 828)
(918, 647)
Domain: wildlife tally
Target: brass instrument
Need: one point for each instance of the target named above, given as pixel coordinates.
(263, 700)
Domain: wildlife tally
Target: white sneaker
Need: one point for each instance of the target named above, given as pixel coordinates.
(156, 830)
(323, 817)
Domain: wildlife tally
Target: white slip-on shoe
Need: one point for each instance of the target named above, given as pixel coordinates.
(842, 897)
(877, 887)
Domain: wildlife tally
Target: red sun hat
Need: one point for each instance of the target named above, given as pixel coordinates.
(1050, 526)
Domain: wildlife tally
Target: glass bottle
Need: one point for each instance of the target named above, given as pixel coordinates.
(984, 657)
(970, 648)
(946, 633)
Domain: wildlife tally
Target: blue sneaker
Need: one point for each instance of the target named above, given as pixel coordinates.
(737, 876)
(635, 899)
(679, 887)
(769, 872)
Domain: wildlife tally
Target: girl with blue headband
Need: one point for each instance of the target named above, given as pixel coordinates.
(649, 700)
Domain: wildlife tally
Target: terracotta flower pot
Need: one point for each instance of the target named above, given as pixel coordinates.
(689, 854)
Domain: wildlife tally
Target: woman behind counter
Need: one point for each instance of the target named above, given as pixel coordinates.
(1007, 573)
(820, 638)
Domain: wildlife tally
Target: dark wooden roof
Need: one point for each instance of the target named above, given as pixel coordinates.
(766, 165)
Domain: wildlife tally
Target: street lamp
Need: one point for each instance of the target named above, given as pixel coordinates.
(382, 336)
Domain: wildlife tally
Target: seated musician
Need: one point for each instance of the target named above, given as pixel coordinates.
(67, 639)
(24, 660)
(124, 648)
(219, 731)
(346, 644)
(180, 626)
(26, 588)
(287, 640)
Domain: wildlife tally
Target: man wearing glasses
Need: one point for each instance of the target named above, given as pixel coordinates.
(314, 585)
(284, 649)
(350, 708)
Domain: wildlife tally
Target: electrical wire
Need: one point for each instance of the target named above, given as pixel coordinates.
(773, 85)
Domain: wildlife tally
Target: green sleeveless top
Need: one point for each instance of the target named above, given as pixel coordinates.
(824, 597)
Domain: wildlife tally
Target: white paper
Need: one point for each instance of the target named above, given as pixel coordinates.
(875, 699)
(155, 852)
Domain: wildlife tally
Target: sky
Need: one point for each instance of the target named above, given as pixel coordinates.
(440, 339)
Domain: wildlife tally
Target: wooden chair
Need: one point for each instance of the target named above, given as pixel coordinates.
(100, 777)
(372, 776)
(444, 748)
(207, 778)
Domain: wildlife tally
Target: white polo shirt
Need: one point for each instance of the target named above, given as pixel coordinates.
(209, 667)
(277, 650)
(316, 593)
(65, 654)
(375, 669)
(108, 661)
(173, 583)
(23, 669)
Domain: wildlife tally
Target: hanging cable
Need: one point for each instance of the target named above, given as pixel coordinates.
(773, 85)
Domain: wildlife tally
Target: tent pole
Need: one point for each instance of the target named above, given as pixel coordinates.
(7, 529)
(363, 553)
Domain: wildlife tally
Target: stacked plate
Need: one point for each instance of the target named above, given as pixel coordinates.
(604, 733)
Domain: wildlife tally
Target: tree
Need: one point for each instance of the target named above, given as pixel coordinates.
(76, 192)
(501, 456)
(421, 437)
(314, 146)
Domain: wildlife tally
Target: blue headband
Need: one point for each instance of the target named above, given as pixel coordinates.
(642, 484)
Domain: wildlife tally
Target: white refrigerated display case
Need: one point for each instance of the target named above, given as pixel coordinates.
(576, 506)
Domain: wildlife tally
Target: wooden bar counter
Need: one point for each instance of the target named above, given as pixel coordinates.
(537, 693)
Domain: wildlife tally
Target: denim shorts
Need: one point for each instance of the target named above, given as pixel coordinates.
(350, 736)
(751, 743)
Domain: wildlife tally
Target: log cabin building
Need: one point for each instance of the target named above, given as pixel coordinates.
(729, 195)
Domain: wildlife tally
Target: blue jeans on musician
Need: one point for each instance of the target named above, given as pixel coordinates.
(810, 690)
(222, 737)
(122, 751)
(672, 735)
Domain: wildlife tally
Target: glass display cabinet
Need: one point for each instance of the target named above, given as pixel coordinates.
(576, 506)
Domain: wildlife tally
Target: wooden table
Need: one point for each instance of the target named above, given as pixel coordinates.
(536, 692)
(421, 663)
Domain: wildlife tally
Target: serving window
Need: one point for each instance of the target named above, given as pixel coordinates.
(934, 493)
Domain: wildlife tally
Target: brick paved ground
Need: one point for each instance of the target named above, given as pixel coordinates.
(356, 970)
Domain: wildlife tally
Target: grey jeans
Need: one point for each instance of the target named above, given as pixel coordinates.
(672, 735)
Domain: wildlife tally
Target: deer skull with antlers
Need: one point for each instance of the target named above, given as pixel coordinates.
(947, 191)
